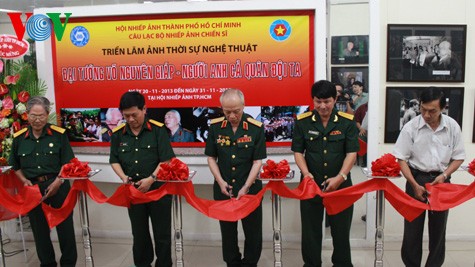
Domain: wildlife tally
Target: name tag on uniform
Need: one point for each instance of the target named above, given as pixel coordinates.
(244, 139)
(314, 132)
(123, 144)
(336, 132)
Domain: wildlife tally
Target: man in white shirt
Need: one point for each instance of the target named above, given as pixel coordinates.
(429, 149)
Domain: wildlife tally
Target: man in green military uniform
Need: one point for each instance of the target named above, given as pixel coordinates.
(37, 156)
(138, 147)
(235, 148)
(325, 143)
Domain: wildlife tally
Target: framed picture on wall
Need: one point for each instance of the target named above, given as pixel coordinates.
(348, 75)
(402, 105)
(426, 53)
(350, 49)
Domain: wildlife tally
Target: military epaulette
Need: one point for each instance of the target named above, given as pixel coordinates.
(20, 132)
(346, 115)
(118, 127)
(220, 119)
(255, 122)
(186, 130)
(304, 115)
(57, 129)
(157, 123)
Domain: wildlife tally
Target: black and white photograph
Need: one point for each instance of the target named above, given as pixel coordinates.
(348, 75)
(349, 49)
(279, 121)
(426, 53)
(402, 105)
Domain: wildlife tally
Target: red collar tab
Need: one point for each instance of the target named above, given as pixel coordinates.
(224, 123)
(245, 126)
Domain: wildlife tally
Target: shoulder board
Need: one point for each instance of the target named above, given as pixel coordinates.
(20, 132)
(118, 127)
(220, 119)
(156, 123)
(57, 129)
(186, 130)
(304, 115)
(255, 122)
(346, 115)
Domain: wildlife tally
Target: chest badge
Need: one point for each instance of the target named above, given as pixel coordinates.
(51, 144)
(314, 132)
(336, 132)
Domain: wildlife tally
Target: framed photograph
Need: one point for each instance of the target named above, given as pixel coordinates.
(350, 49)
(402, 105)
(348, 75)
(426, 53)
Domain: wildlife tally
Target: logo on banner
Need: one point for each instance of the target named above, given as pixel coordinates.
(11, 47)
(79, 36)
(280, 30)
(39, 26)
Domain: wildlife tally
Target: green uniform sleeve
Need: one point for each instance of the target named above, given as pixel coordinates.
(67, 153)
(298, 139)
(210, 149)
(165, 150)
(114, 150)
(260, 152)
(352, 144)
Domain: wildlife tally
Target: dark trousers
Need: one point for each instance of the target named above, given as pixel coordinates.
(411, 250)
(65, 230)
(159, 213)
(252, 227)
(311, 211)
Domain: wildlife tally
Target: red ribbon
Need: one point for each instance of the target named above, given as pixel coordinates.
(275, 170)
(75, 168)
(385, 166)
(471, 167)
(176, 170)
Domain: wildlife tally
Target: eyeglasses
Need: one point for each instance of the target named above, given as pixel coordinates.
(39, 117)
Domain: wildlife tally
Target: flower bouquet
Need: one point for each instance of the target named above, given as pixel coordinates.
(175, 171)
(276, 171)
(471, 168)
(76, 169)
(385, 166)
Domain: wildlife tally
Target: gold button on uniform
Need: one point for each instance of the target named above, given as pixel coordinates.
(326, 176)
(136, 149)
(233, 168)
(136, 161)
(325, 164)
(234, 180)
(233, 156)
(324, 151)
(311, 138)
(325, 138)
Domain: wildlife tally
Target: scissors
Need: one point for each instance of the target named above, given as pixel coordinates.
(324, 186)
(426, 195)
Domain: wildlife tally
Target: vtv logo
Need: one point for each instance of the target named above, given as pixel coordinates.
(39, 26)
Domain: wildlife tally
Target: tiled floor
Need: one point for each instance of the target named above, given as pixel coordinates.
(117, 253)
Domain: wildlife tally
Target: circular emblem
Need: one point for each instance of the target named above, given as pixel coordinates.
(51, 145)
(39, 27)
(79, 36)
(280, 30)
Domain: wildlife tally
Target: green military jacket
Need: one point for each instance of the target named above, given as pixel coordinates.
(235, 152)
(325, 148)
(45, 155)
(140, 155)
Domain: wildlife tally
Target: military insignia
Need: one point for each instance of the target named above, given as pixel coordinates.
(245, 126)
(50, 144)
(336, 118)
(220, 119)
(336, 132)
(118, 127)
(157, 123)
(346, 115)
(19, 132)
(223, 124)
(314, 132)
(314, 118)
(49, 132)
(123, 144)
(103, 130)
(244, 139)
(57, 129)
(255, 122)
(228, 142)
(304, 115)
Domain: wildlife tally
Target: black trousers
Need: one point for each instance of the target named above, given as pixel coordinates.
(411, 250)
(311, 212)
(159, 213)
(252, 227)
(41, 231)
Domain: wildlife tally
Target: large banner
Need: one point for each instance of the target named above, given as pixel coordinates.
(181, 64)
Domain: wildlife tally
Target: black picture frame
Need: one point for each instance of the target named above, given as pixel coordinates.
(348, 75)
(403, 102)
(358, 55)
(442, 58)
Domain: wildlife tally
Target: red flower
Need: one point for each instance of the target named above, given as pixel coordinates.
(3, 89)
(385, 166)
(16, 126)
(24, 116)
(273, 170)
(471, 167)
(5, 112)
(23, 96)
(8, 103)
(12, 79)
(176, 170)
(75, 168)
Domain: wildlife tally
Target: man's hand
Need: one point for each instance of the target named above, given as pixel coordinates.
(53, 188)
(27, 182)
(332, 184)
(144, 184)
(440, 179)
(419, 192)
(226, 189)
(362, 132)
(244, 190)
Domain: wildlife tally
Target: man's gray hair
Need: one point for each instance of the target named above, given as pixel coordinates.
(230, 92)
(177, 114)
(38, 100)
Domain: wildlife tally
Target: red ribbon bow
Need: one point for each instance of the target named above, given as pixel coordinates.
(471, 167)
(75, 169)
(273, 170)
(386, 166)
(176, 170)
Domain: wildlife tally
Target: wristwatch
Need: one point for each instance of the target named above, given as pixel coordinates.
(154, 177)
(344, 176)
